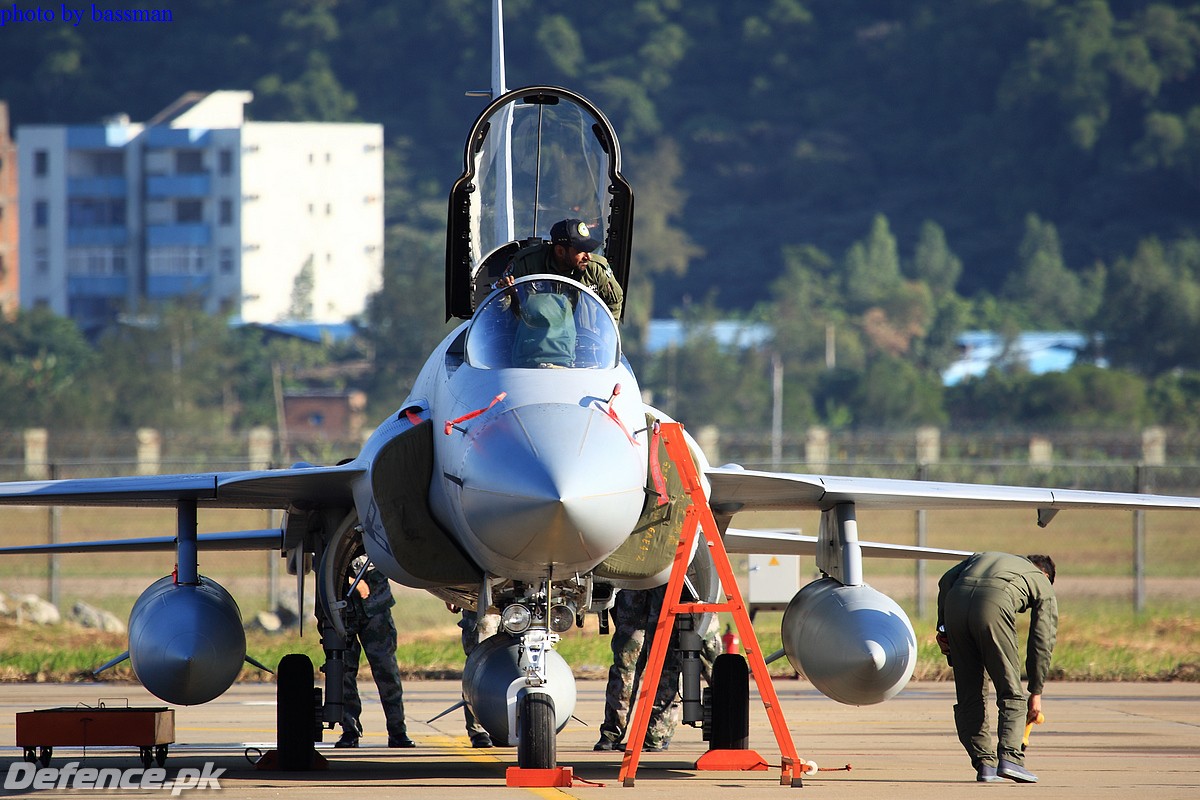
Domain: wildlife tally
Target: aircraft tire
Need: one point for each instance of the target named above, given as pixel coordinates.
(536, 742)
(295, 712)
(730, 703)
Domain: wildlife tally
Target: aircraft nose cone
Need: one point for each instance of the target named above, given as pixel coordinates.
(552, 484)
(874, 658)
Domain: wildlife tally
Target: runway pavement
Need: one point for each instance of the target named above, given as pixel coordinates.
(1100, 740)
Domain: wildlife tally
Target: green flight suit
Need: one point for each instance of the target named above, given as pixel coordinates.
(597, 275)
(978, 603)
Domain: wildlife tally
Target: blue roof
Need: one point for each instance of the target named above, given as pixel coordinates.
(310, 331)
(664, 333)
(1039, 351)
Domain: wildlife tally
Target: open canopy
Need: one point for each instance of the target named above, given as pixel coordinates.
(535, 156)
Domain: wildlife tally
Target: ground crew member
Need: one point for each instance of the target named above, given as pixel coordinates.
(571, 253)
(475, 631)
(371, 629)
(978, 603)
(635, 617)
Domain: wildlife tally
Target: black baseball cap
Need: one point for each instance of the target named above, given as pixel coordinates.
(573, 233)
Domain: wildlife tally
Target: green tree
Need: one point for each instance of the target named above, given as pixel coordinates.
(301, 305)
(1085, 396)
(893, 392)
(934, 263)
(1052, 295)
(1152, 309)
(42, 357)
(872, 267)
(660, 246)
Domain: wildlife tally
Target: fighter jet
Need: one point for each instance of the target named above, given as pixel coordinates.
(522, 475)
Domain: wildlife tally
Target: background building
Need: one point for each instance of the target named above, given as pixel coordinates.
(265, 221)
(9, 232)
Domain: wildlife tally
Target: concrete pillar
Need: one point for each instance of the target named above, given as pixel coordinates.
(37, 454)
(816, 448)
(709, 439)
(149, 451)
(1041, 451)
(1154, 446)
(261, 447)
(929, 445)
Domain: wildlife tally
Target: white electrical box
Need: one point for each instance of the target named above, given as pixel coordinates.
(773, 581)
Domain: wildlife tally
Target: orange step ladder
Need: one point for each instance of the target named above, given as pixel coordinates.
(699, 519)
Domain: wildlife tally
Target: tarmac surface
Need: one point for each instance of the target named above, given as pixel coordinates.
(1100, 740)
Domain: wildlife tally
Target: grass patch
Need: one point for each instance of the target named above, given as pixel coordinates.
(1097, 643)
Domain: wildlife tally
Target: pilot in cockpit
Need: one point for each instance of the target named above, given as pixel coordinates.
(571, 253)
(543, 322)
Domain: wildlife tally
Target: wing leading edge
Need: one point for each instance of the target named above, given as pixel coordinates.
(735, 490)
(297, 487)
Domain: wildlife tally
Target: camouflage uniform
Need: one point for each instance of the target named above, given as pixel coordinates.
(597, 275)
(475, 631)
(370, 628)
(635, 615)
(710, 647)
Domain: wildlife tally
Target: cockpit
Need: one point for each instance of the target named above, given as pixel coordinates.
(534, 156)
(543, 322)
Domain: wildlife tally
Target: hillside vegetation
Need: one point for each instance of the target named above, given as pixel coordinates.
(872, 177)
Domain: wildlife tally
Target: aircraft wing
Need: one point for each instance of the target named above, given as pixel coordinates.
(790, 543)
(296, 487)
(736, 490)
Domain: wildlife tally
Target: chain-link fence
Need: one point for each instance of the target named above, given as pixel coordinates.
(1104, 554)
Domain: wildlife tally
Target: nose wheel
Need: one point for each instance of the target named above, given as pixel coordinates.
(536, 739)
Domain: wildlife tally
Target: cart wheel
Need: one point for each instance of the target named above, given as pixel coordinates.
(44, 756)
(160, 755)
(146, 756)
(31, 754)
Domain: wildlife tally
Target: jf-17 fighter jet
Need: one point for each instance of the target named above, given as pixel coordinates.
(523, 476)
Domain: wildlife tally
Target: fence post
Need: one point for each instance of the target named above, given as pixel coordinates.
(922, 539)
(816, 449)
(55, 534)
(1041, 451)
(37, 461)
(149, 451)
(708, 438)
(1139, 544)
(260, 448)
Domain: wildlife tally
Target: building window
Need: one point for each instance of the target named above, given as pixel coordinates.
(41, 261)
(225, 211)
(41, 214)
(189, 211)
(41, 163)
(225, 162)
(87, 212)
(109, 163)
(226, 261)
(175, 261)
(97, 261)
(189, 162)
